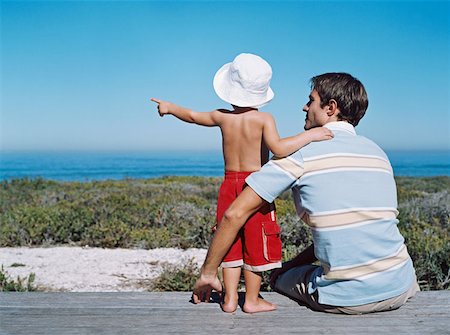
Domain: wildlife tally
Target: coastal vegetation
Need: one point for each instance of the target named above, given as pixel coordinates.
(8, 284)
(180, 212)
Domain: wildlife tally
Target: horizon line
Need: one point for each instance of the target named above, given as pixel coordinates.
(171, 150)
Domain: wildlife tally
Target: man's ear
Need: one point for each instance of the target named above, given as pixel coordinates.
(333, 109)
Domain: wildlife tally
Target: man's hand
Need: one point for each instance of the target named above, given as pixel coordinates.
(203, 287)
(163, 106)
(319, 134)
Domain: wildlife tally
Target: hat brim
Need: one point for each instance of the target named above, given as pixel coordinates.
(236, 95)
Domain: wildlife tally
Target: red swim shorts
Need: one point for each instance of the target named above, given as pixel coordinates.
(258, 245)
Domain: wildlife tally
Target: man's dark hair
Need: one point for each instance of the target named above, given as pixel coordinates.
(349, 93)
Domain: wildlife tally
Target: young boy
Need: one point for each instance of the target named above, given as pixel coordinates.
(247, 137)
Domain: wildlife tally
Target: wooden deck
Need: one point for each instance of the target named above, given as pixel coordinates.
(173, 313)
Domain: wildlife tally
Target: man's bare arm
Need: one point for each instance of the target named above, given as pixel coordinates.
(234, 218)
(209, 119)
(282, 147)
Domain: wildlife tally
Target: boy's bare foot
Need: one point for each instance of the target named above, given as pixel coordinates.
(260, 305)
(230, 302)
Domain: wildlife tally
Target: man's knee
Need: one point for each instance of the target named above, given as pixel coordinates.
(294, 281)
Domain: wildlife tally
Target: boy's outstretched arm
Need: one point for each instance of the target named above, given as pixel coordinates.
(209, 119)
(282, 147)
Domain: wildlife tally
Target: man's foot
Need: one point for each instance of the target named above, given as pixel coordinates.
(230, 302)
(260, 305)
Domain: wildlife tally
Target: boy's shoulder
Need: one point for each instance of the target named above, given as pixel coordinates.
(263, 115)
(219, 115)
(267, 117)
(261, 118)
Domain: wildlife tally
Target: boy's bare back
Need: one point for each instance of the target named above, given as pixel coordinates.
(243, 144)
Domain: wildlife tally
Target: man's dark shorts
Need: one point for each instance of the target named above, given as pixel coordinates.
(294, 284)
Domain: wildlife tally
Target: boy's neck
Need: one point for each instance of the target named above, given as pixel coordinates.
(238, 109)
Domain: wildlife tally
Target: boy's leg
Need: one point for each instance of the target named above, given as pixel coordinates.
(262, 252)
(253, 303)
(231, 277)
(231, 269)
(233, 260)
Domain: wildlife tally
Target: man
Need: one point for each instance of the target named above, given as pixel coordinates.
(345, 191)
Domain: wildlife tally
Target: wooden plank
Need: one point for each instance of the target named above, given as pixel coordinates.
(171, 312)
(52, 299)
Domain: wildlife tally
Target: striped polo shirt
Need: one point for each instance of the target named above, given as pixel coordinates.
(344, 189)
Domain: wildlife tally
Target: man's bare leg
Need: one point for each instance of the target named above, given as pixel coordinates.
(231, 277)
(253, 303)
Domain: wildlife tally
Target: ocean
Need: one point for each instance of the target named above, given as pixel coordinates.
(87, 166)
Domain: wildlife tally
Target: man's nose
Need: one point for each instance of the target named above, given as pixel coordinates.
(305, 108)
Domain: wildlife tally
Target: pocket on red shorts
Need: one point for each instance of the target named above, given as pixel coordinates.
(271, 241)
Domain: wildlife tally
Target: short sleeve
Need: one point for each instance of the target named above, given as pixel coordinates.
(276, 176)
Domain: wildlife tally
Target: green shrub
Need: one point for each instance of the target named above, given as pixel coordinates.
(180, 211)
(165, 212)
(177, 279)
(424, 223)
(19, 285)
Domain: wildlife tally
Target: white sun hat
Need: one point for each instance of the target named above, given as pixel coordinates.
(245, 81)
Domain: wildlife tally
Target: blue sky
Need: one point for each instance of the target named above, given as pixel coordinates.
(78, 75)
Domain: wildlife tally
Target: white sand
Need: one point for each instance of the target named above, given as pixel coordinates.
(78, 269)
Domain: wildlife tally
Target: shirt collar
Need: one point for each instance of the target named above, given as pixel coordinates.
(341, 125)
